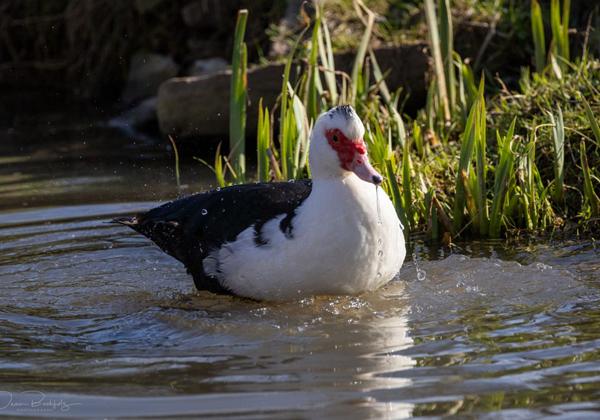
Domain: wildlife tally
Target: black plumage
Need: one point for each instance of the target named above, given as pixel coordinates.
(191, 227)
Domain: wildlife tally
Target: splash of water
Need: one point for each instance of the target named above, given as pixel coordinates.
(378, 205)
(421, 274)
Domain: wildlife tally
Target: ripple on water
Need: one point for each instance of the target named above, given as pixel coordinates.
(95, 314)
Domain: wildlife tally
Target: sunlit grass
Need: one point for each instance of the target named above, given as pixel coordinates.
(238, 98)
(539, 38)
(469, 163)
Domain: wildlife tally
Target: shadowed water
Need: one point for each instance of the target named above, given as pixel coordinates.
(95, 320)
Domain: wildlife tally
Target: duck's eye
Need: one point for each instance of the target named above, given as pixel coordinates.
(335, 138)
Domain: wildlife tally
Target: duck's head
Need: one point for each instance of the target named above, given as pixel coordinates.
(337, 148)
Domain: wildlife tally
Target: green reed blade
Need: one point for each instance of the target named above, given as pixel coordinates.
(438, 61)
(238, 97)
(560, 32)
(539, 40)
(357, 68)
(392, 181)
(558, 143)
(326, 55)
(176, 153)
(302, 138)
(387, 97)
(588, 188)
(592, 120)
(406, 185)
(263, 143)
(286, 135)
(502, 177)
(217, 168)
(312, 106)
(481, 164)
(446, 33)
(468, 140)
(565, 30)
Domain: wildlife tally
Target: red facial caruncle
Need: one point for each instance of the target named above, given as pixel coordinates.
(353, 155)
(346, 149)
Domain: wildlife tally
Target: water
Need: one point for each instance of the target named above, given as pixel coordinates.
(421, 274)
(97, 317)
(378, 205)
(96, 321)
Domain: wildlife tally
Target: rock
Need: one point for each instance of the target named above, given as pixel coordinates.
(199, 106)
(405, 66)
(207, 66)
(140, 115)
(146, 72)
(138, 122)
(143, 6)
(198, 14)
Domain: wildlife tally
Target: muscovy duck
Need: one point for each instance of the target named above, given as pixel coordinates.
(334, 234)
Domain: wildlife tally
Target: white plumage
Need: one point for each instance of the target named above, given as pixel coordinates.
(343, 241)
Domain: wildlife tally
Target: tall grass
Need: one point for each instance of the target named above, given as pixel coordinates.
(474, 129)
(539, 39)
(446, 33)
(592, 120)
(263, 144)
(558, 142)
(592, 202)
(503, 180)
(559, 23)
(359, 81)
(176, 156)
(238, 98)
(446, 174)
(437, 44)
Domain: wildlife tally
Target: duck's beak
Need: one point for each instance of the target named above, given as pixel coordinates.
(363, 169)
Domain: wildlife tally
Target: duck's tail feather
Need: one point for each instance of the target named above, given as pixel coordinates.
(166, 234)
(130, 221)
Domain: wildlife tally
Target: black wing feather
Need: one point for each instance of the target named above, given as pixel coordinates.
(191, 227)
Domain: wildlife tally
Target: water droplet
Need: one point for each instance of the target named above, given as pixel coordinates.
(307, 301)
(291, 180)
(218, 188)
(380, 253)
(223, 211)
(421, 274)
(204, 212)
(379, 241)
(378, 206)
(378, 275)
(543, 267)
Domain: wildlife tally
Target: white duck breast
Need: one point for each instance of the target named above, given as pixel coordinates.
(283, 240)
